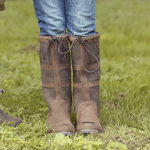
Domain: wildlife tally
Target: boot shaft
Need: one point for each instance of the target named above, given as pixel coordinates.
(55, 72)
(86, 81)
(56, 83)
(86, 78)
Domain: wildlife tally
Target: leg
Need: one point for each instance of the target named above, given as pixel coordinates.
(56, 83)
(86, 78)
(80, 17)
(55, 71)
(51, 16)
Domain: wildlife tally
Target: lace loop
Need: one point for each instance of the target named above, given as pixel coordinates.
(85, 46)
(53, 40)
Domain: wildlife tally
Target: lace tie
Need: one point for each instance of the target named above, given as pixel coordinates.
(85, 46)
(54, 40)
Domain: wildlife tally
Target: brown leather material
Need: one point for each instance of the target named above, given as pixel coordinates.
(76, 67)
(46, 84)
(87, 117)
(65, 83)
(77, 85)
(5, 118)
(88, 67)
(48, 61)
(68, 96)
(47, 76)
(92, 77)
(49, 95)
(94, 83)
(59, 119)
(51, 67)
(52, 85)
(90, 84)
(64, 47)
(75, 52)
(94, 93)
(56, 82)
(76, 76)
(65, 74)
(43, 39)
(87, 79)
(77, 96)
(95, 50)
(86, 83)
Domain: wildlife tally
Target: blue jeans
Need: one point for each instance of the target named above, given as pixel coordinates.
(54, 16)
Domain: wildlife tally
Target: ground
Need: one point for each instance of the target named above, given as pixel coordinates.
(125, 79)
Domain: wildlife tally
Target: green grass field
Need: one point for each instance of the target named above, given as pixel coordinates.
(125, 79)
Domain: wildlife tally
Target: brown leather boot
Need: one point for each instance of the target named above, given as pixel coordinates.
(6, 118)
(56, 83)
(86, 78)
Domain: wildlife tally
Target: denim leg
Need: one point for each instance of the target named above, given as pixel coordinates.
(51, 16)
(80, 17)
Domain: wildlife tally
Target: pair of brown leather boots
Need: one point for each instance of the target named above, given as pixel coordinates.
(56, 82)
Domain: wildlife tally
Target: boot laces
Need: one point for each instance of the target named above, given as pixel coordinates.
(53, 40)
(85, 46)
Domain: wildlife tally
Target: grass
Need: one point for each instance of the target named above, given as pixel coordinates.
(125, 82)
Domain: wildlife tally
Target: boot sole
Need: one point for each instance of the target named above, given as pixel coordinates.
(64, 133)
(87, 131)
